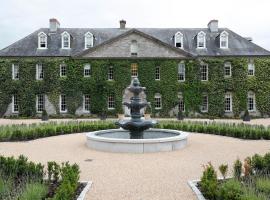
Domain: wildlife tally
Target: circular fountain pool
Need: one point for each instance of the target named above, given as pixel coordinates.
(153, 140)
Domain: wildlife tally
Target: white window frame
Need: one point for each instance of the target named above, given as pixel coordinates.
(201, 71)
(201, 33)
(60, 103)
(181, 99)
(110, 73)
(207, 103)
(87, 67)
(228, 95)
(251, 95)
(41, 34)
(223, 35)
(39, 72)
(181, 71)
(84, 103)
(157, 73)
(61, 70)
(88, 40)
(158, 100)
(111, 102)
(134, 48)
(15, 97)
(251, 66)
(17, 67)
(178, 38)
(63, 35)
(38, 105)
(227, 64)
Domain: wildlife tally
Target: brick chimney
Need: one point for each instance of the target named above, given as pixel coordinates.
(122, 24)
(213, 25)
(54, 25)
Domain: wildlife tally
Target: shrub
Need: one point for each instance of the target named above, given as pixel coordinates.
(251, 194)
(209, 182)
(263, 185)
(230, 190)
(223, 170)
(35, 191)
(237, 169)
(257, 163)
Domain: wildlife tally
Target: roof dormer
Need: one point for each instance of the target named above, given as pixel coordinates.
(201, 41)
(178, 40)
(42, 41)
(88, 40)
(224, 40)
(65, 40)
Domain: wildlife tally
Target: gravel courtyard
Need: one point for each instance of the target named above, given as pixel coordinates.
(153, 176)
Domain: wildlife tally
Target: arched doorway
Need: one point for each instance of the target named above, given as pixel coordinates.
(126, 98)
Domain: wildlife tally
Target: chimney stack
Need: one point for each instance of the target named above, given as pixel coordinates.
(54, 25)
(122, 24)
(213, 25)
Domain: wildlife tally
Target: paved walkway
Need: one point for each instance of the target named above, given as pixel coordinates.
(152, 176)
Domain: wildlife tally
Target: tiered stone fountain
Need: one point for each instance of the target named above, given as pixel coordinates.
(136, 134)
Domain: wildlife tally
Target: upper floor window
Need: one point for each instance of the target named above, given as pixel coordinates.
(181, 103)
(39, 72)
(63, 103)
(251, 102)
(110, 73)
(15, 71)
(42, 41)
(134, 70)
(178, 40)
(227, 69)
(88, 40)
(158, 104)
(204, 72)
(204, 106)
(40, 103)
(251, 68)
(63, 70)
(157, 74)
(15, 104)
(181, 72)
(87, 70)
(86, 103)
(201, 40)
(111, 102)
(65, 40)
(228, 102)
(134, 48)
(224, 40)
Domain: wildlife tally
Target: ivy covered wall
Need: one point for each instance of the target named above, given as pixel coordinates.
(75, 84)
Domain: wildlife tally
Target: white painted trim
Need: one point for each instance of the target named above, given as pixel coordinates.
(13, 72)
(86, 66)
(37, 75)
(60, 102)
(207, 74)
(85, 111)
(225, 65)
(181, 39)
(88, 34)
(205, 111)
(251, 95)
(65, 33)
(231, 100)
(85, 190)
(46, 40)
(179, 73)
(204, 42)
(227, 40)
(15, 112)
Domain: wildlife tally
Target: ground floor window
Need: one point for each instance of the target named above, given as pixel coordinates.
(86, 103)
(158, 104)
(63, 103)
(111, 102)
(251, 101)
(228, 102)
(204, 107)
(40, 103)
(15, 105)
(181, 103)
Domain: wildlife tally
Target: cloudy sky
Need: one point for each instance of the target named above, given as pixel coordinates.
(19, 18)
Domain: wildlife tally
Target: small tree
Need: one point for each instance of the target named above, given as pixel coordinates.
(209, 183)
(246, 116)
(180, 115)
(44, 116)
(223, 170)
(237, 169)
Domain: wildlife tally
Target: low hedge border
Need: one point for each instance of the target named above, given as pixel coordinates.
(34, 131)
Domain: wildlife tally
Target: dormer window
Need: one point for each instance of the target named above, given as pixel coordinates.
(178, 40)
(88, 40)
(65, 40)
(224, 40)
(42, 41)
(134, 48)
(201, 40)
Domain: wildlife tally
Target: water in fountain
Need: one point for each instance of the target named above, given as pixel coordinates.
(136, 125)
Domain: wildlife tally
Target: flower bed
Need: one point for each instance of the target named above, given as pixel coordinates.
(250, 181)
(24, 180)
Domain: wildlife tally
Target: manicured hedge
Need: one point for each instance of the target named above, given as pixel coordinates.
(29, 132)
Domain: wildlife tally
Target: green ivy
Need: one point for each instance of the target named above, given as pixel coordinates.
(75, 85)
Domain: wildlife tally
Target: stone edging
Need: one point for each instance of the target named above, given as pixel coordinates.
(193, 185)
(85, 189)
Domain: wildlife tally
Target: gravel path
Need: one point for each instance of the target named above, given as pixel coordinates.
(153, 176)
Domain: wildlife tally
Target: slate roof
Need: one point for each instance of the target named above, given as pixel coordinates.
(27, 47)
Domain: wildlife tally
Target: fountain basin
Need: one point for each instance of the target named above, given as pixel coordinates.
(155, 140)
